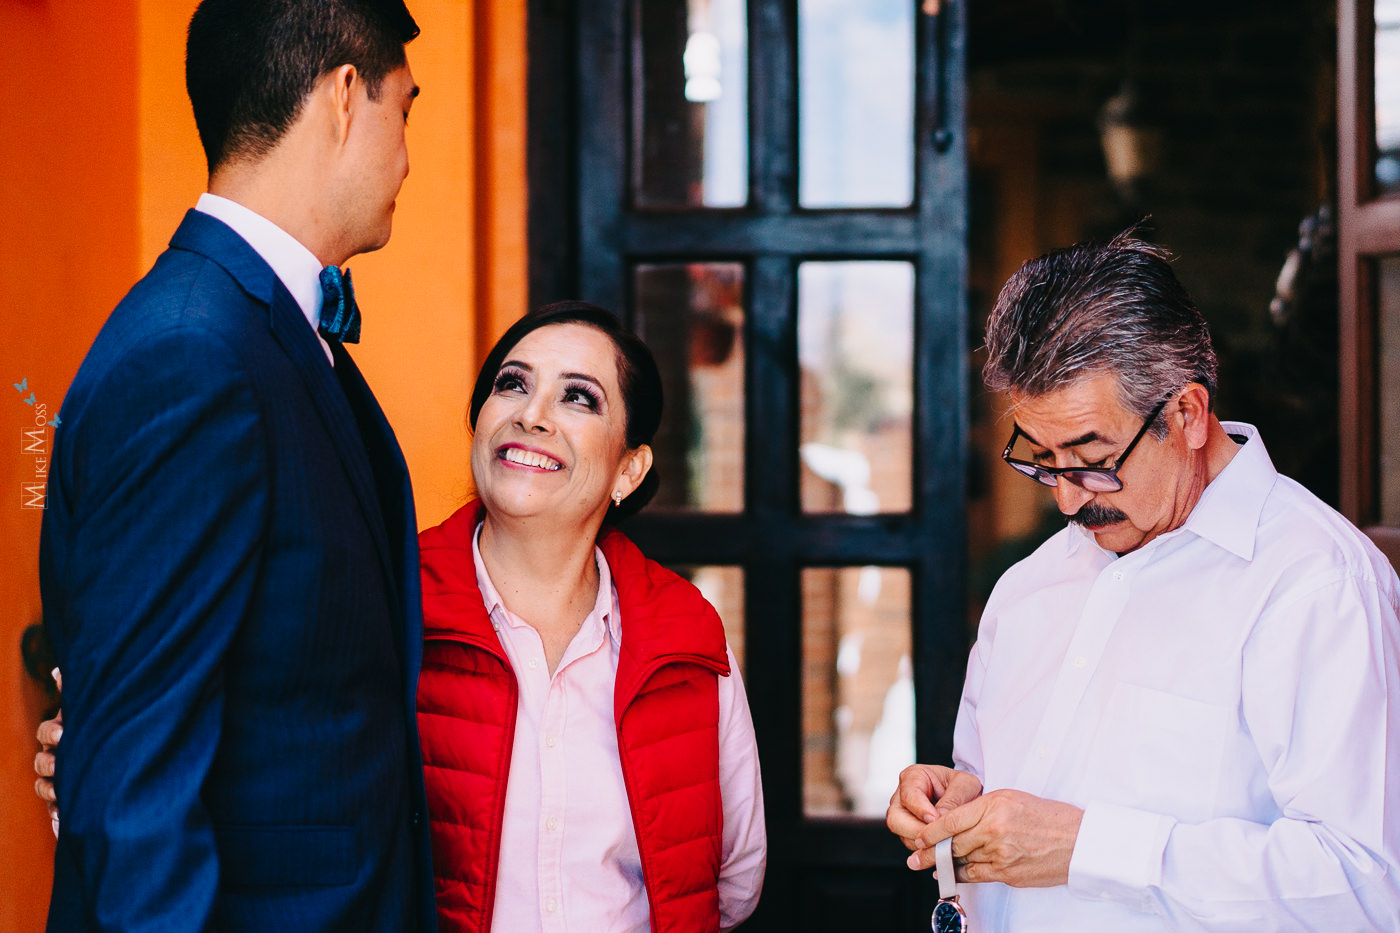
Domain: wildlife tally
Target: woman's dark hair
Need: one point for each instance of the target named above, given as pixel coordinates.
(249, 64)
(637, 377)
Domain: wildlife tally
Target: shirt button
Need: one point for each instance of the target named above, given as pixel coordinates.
(551, 824)
(551, 740)
(1080, 662)
(532, 663)
(1041, 752)
(1117, 574)
(550, 905)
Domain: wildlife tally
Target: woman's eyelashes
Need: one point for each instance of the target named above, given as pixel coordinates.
(577, 393)
(509, 380)
(581, 393)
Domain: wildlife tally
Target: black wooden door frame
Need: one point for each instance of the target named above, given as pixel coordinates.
(583, 240)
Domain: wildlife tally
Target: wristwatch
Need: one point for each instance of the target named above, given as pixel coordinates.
(948, 916)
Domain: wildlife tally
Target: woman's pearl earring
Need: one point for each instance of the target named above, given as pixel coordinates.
(617, 499)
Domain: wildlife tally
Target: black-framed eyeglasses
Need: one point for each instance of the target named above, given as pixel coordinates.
(1093, 479)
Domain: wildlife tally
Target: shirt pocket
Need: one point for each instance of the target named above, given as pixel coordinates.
(1159, 752)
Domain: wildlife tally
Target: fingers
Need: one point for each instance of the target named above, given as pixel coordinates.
(43, 787)
(903, 824)
(958, 823)
(962, 788)
(58, 678)
(913, 814)
(50, 732)
(955, 822)
(918, 785)
(44, 767)
(1007, 836)
(911, 807)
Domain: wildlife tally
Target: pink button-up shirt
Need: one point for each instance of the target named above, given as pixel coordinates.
(569, 859)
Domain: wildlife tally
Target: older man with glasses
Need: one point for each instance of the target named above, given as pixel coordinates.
(1183, 711)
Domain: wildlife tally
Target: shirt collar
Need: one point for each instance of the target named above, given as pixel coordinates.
(1228, 511)
(295, 265)
(603, 605)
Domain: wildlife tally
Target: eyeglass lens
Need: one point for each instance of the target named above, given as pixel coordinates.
(1092, 480)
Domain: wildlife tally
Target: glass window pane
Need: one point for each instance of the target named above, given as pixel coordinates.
(723, 586)
(856, 88)
(857, 688)
(692, 317)
(855, 347)
(1388, 307)
(691, 89)
(1387, 165)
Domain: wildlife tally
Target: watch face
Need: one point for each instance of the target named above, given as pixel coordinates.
(948, 917)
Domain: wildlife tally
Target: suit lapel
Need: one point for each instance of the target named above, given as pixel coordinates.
(215, 240)
(389, 471)
(396, 495)
(291, 331)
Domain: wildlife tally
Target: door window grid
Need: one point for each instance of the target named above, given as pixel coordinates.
(692, 317)
(857, 688)
(856, 90)
(855, 353)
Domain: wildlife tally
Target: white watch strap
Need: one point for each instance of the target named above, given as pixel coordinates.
(943, 861)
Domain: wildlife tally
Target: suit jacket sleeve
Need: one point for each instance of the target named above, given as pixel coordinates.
(163, 504)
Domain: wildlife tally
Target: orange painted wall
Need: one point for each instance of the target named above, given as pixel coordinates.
(98, 161)
(68, 247)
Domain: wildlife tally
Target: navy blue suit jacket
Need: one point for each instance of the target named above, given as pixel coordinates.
(229, 570)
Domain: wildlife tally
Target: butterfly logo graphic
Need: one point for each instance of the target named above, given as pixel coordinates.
(30, 400)
(56, 421)
(22, 385)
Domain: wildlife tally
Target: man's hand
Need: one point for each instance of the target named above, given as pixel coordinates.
(50, 731)
(925, 793)
(1005, 835)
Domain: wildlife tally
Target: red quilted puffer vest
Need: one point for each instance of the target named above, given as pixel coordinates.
(666, 707)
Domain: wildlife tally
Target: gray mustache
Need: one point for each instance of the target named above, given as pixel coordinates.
(1092, 513)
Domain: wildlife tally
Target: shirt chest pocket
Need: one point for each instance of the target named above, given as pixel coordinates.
(1159, 752)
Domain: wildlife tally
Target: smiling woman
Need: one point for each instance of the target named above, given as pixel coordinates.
(556, 406)
(592, 337)
(570, 685)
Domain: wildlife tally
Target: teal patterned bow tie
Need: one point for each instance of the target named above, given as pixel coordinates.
(340, 316)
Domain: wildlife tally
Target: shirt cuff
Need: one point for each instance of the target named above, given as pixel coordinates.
(1118, 855)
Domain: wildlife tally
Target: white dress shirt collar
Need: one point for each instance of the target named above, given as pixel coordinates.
(1228, 511)
(295, 265)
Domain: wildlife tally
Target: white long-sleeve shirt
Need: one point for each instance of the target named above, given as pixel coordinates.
(1223, 703)
(569, 861)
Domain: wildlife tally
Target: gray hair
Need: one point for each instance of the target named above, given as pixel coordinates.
(1097, 308)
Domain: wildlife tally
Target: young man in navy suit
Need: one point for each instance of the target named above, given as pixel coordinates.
(228, 565)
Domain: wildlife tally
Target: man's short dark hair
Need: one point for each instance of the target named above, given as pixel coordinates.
(249, 64)
(1095, 308)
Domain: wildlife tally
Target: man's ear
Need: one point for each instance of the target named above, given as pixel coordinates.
(342, 85)
(1194, 402)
